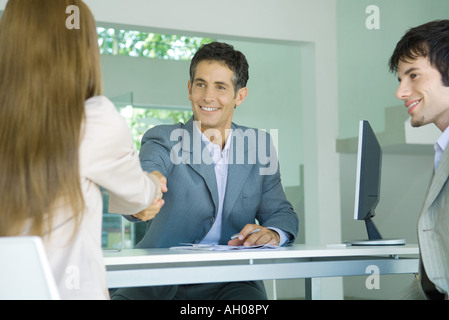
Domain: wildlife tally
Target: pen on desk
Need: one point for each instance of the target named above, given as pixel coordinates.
(235, 236)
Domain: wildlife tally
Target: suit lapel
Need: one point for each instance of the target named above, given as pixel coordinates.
(192, 148)
(201, 162)
(438, 180)
(237, 171)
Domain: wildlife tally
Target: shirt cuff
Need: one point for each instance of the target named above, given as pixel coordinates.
(283, 238)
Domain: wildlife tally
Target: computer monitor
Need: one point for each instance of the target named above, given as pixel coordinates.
(367, 193)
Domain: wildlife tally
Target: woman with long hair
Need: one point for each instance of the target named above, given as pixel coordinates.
(60, 140)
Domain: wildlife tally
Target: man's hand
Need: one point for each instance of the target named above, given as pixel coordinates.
(150, 212)
(264, 236)
(154, 208)
(161, 183)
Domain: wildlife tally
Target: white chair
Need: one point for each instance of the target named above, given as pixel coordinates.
(25, 273)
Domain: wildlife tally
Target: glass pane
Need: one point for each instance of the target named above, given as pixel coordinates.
(111, 235)
(118, 233)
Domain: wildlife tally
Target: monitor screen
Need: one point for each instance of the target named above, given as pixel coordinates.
(369, 166)
(367, 193)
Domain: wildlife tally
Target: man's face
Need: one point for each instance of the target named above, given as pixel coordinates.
(213, 97)
(423, 93)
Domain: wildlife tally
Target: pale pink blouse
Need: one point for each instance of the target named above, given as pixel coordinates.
(108, 159)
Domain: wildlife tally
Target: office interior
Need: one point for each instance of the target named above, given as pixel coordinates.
(316, 69)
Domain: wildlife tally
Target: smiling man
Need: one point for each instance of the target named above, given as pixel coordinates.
(214, 98)
(423, 92)
(421, 61)
(217, 187)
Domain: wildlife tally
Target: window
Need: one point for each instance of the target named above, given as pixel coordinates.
(147, 44)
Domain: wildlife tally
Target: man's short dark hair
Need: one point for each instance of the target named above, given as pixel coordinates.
(226, 55)
(430, 40)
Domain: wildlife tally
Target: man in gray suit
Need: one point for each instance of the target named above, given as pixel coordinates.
(421, 61)
(223, 179)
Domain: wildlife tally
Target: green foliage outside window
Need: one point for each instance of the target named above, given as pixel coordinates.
(147, 44)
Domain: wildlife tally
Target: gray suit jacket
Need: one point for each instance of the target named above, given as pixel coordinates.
(433, 228)
(253, 190)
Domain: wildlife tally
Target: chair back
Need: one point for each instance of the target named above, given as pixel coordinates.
(25, 272)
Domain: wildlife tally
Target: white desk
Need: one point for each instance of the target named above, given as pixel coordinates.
(151, 267)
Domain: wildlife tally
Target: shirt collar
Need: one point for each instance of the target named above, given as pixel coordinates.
(212, 146)
(443, 140)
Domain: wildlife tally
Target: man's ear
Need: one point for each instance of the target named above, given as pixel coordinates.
(189, 87)
(241, 95)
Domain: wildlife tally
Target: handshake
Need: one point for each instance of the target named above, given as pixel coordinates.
(250, 235)
(153, 209)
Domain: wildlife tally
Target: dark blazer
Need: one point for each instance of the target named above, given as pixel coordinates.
(253, 189)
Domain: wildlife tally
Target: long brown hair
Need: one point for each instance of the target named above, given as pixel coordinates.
(47, 71)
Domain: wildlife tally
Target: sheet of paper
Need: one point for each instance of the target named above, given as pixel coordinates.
(216, 247)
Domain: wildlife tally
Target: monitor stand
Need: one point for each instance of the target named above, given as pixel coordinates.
(375, 239)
